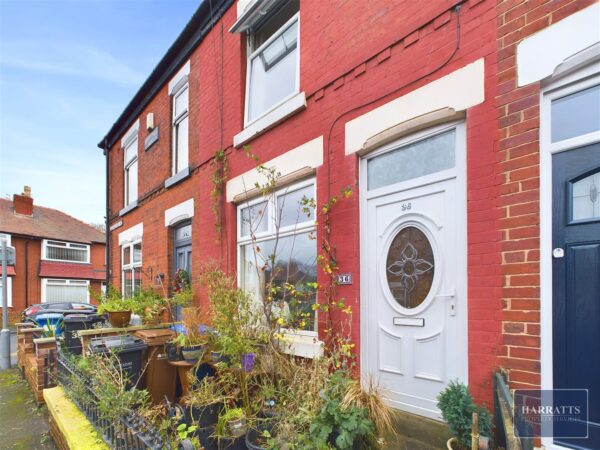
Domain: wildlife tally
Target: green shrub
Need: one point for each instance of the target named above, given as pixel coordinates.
(337, 425)
(457, 407)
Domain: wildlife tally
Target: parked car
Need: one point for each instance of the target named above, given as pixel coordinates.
(64, 308)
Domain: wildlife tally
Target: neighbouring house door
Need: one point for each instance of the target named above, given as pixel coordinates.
(414, 269)
(576, 280)
(182, 235)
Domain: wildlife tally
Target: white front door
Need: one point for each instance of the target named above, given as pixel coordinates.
(414, 303)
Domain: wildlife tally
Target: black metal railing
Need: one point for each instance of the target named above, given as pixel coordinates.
(507, 435)
(132, 433)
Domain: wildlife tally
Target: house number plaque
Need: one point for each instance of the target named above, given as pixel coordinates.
(344, 278)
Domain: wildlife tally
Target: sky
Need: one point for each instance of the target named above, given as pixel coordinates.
(68, 68)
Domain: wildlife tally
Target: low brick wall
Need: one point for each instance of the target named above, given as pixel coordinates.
(36, 358)
(69, 427)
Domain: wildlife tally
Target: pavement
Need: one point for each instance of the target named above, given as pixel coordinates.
(24, 424)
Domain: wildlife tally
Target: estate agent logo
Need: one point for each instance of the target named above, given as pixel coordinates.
(558, 413)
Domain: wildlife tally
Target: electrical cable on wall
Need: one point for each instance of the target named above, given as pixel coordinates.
(456, 10)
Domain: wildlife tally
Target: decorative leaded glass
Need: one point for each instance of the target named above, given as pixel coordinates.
(586, 198)
(410, 267)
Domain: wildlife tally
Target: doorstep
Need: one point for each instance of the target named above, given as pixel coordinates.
(417, 432)
(69, 427)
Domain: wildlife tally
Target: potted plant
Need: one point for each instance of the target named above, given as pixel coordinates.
(191, 346)
(194, 338)
(205, 400)
(232, 424)
(150, 305)
(457, 407)
(118, 309)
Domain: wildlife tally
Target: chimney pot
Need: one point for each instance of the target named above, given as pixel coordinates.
(26, 191)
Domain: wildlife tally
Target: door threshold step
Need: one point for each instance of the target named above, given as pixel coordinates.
(415, 432)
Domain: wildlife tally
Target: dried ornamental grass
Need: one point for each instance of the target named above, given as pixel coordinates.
(370, 397)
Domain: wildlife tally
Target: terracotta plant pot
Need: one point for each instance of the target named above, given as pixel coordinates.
(119, 319)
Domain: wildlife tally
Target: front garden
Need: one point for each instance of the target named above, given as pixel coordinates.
(243, 389)
(228, 372)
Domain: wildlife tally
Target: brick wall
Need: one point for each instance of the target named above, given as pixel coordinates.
(350, 56)
(26, 284)
(518, 166)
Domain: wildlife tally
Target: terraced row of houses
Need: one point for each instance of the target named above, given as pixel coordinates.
(468, 132)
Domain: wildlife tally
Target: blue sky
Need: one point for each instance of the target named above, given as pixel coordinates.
(67, 70)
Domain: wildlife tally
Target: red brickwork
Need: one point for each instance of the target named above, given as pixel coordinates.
(351, 56)
(519, 159)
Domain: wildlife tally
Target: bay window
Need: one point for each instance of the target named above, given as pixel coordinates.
(131, 268)
(131, 171)
(66, 252)
(60, 290)
(273, 62)
(277, 248)
(180, 129)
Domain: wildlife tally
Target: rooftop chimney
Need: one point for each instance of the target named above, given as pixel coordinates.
(23, 204)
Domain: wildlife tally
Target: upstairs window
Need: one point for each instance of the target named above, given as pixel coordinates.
(274, 61)
(66, 252)
(180, 129)
(131, 171)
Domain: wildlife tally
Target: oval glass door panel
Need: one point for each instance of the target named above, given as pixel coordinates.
(410, 267)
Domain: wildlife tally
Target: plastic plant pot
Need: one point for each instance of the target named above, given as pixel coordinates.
(193, 353)
(205, 416)
(237, 427)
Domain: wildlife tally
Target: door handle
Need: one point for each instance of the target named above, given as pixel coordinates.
(452, 300)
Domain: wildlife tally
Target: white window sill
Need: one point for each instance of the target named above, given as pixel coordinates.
(271, 118)
(305, 346)
(181, 175)
(128, 208)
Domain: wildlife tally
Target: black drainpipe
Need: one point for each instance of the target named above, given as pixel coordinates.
(107, 226)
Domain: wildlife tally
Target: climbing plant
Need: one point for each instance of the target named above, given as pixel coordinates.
(328, 298)
(220, 167)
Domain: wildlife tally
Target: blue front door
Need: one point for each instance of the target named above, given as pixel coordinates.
(576, 281)
(182, 255)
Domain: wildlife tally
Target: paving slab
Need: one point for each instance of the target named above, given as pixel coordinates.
(23, 424)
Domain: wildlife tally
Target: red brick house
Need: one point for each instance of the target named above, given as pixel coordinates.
(57, 256)
(449, 121)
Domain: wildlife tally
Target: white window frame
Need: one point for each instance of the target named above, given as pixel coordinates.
(569, 83)
(68, 281)
(271, 214)
(175, 122)
(132, 265)
(290, 230)
(127, 164)
(48, 243)
(567, 86)
(255, 54)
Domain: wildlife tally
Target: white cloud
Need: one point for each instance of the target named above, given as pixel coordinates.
(70, 59)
